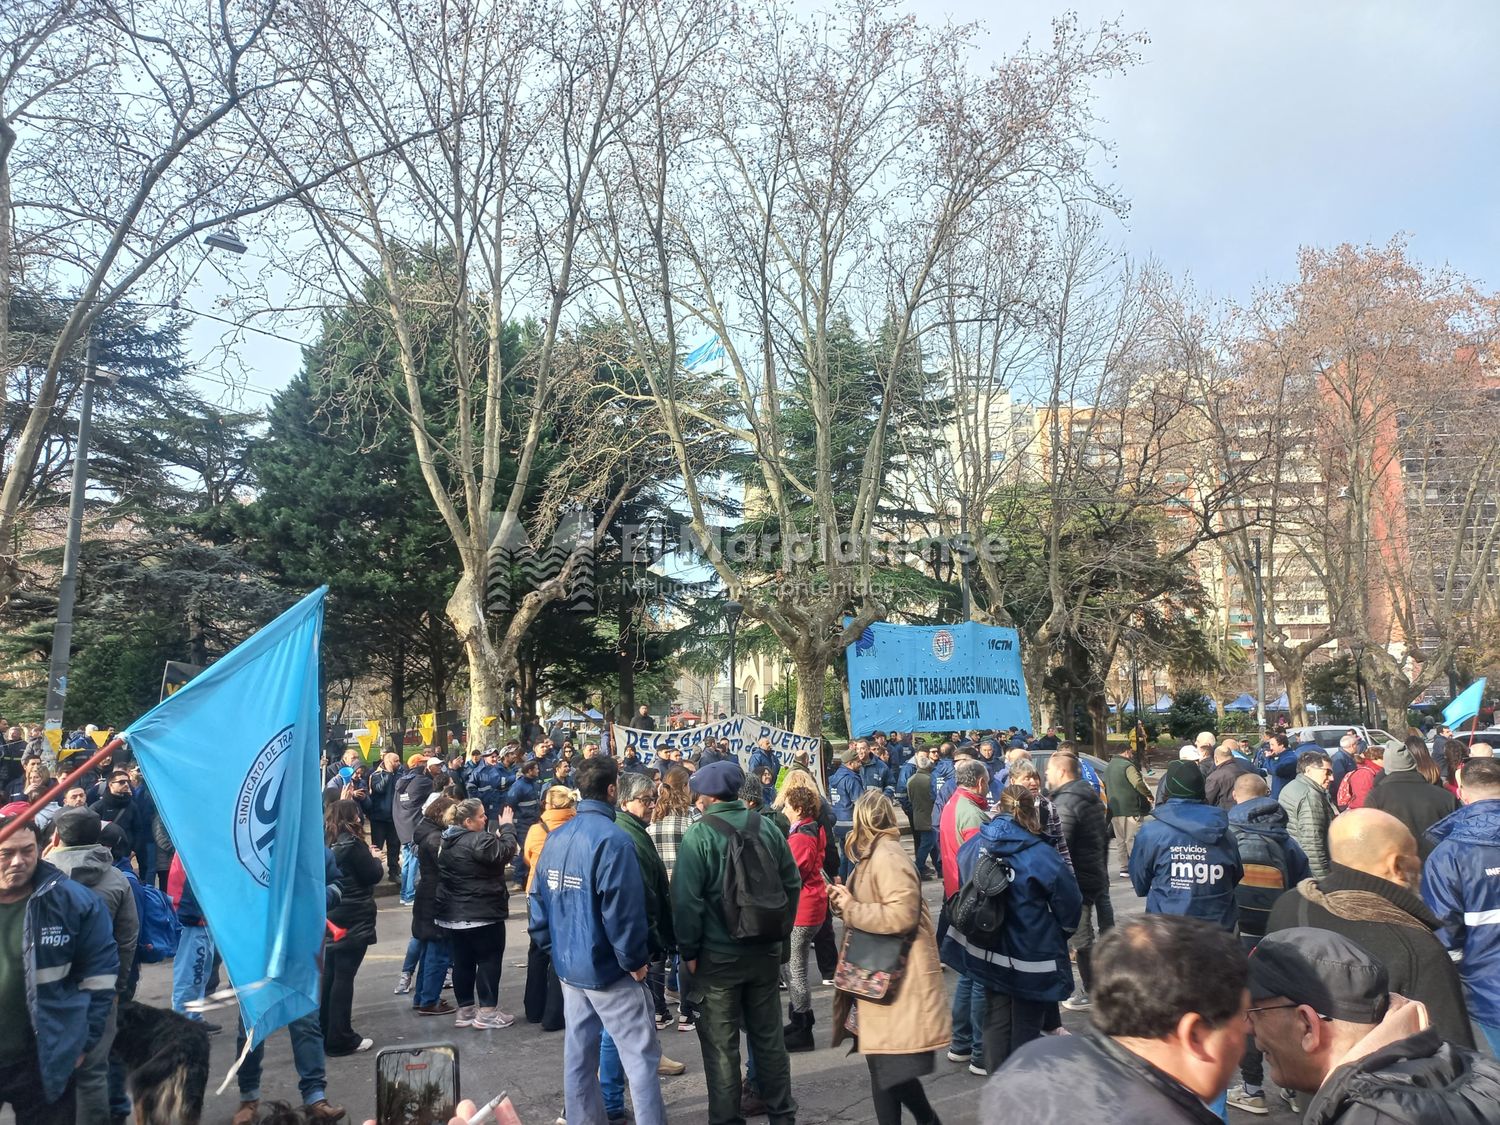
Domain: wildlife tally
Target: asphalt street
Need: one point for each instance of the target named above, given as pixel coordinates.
(829, 1085)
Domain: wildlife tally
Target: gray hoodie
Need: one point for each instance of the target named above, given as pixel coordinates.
(93, 866)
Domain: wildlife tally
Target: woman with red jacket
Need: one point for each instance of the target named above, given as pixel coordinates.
(807, 840)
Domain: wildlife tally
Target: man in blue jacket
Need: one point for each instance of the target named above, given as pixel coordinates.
(1278, 763)
(490, 781)
(844, 788)
(380, 809)
(525, 797)
(1185, 860)
(58, 969)
(1461, 883)
(763, 758)
(587, 909)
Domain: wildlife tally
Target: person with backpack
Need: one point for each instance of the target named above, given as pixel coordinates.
(1358, 782)
(1009, 923)
(898, 1036)
(735, 889)
(806, 839)
(1273, 863)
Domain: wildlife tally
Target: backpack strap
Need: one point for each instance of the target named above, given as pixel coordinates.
(720, 825)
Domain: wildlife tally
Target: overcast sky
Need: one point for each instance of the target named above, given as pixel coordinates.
(1253, 127)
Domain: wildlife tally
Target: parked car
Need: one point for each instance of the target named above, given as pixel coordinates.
(1328, 736)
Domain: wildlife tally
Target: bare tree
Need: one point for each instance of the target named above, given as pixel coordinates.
(816, 176)
(458, 238)
(126, 133)
(1384, 368)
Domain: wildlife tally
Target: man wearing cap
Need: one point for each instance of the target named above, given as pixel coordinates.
(1461, 883)
(1185, 860)
(1409, 797)
(1188, 753)
(1167, 1029)
(739, 979)
(490, 781)
(1323, 1014)
(844, 788)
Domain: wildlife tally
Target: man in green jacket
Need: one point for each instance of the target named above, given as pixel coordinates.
(738, 979)
(1129, 802)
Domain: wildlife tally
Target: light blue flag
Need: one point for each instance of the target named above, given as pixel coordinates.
(1466, 704)
(709, 352)
(232, 762)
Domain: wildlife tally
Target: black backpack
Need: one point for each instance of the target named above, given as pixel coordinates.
(755, 903)
(977, 909)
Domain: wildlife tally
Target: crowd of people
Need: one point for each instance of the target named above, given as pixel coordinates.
(1327, 920)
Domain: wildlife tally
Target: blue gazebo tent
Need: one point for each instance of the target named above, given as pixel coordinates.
(1162, 704)
(1280, 703)
(1246, 702)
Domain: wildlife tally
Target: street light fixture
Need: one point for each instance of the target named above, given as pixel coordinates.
(732, 611)
(226, 239)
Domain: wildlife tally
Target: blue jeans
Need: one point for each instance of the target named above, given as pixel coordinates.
(413, 956)
(625, 1010)
(1492, 1035)
(307, 1057)
(927, 847)
(611, 1077)
(969, 1009)
(191, 967)
(840, 833)
(408, 873)
(436, 957)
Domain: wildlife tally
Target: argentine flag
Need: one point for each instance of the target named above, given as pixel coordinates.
(705, 355)
(232, 761)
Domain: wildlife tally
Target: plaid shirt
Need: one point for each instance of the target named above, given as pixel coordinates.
(666, 834)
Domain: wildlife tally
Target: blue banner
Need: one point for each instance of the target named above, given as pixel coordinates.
(231, 759)
(936, 678)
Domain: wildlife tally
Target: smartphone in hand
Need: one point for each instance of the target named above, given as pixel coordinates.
(416, 1085)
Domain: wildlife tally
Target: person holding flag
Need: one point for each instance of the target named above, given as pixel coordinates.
(258, 864)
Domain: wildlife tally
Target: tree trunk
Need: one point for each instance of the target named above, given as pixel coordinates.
(811, 669)
(485, 680)
(398, 676)
(1099, 713)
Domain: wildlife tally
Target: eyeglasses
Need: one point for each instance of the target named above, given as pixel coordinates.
(1278, 1007)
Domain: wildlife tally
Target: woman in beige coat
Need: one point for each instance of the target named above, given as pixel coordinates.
(884, 896)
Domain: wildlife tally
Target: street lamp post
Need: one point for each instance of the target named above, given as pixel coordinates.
(732, 611)
(67, 590)
(1260, 646)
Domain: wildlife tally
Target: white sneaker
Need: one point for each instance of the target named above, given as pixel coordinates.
(492, 1019)
(1249, 1103)
(1079, 1003)
(365, 1044)
(959, 1056)
(978, 1068)
(465, 1017)
(827, 980)
(404, 984)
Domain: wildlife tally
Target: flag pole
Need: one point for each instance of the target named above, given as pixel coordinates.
(62, 786)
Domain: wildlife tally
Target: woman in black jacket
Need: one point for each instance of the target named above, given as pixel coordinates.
(344, 832)
(472, 906)
(432, 949)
